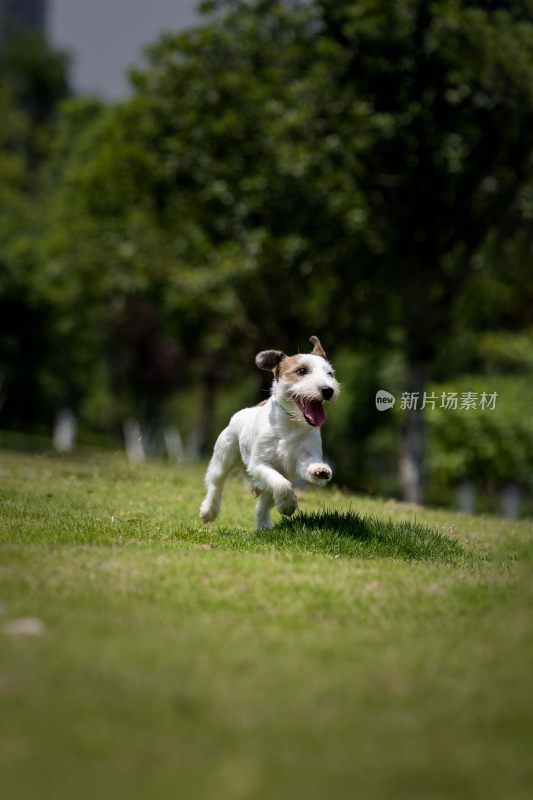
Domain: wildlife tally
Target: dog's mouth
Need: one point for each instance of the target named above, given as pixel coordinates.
(313, 411)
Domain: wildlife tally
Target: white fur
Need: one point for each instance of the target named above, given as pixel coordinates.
(275, 444)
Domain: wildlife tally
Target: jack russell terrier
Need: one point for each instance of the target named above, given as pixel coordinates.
(278, 441)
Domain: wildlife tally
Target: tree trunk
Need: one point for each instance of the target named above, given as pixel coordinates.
(412, 461)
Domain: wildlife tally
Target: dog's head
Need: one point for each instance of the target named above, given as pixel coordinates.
(302, 382)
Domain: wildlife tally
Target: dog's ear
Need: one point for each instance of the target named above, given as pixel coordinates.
(269, 359)
(318, 350)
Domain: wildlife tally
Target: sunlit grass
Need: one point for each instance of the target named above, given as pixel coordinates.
(361, 648)
(347, 533)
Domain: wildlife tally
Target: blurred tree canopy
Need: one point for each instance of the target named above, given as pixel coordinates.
(352, 168)
(33, 81)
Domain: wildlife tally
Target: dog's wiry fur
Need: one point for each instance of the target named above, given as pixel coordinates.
(278, 441)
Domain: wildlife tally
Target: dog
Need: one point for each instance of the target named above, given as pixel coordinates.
(278, 441)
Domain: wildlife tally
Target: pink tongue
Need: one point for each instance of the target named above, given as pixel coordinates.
(315, 413)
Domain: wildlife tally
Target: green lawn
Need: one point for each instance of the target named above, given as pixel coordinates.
(364, 649)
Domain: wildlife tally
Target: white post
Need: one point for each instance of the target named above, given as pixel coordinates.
(65, 428)
(134, 441)
(466, 497)
(173, 444)
(510, 501)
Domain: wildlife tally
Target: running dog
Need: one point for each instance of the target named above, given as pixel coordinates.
(278, 441)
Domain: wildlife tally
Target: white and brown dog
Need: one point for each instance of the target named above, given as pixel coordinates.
(277, 442)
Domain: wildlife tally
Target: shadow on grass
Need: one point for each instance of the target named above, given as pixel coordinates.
(346, 533)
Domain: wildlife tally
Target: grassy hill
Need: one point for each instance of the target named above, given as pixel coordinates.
(361, 649)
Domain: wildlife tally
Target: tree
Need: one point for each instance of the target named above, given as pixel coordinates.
(32, 83)
(310, 165)
(445, 91)
(145, 292)
(453, 84)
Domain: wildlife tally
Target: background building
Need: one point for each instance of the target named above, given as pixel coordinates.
(106, 37)
(23, 14)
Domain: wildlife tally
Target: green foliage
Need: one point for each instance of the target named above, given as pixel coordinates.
(403, 131)
(32, 82)
(361, 170)
(34, 76)
(484, 445)
(507, 350)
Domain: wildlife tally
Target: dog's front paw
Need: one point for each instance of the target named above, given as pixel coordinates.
(319, 474)
(208, 512)
(286, 502)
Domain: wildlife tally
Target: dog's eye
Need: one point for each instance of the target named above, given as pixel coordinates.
(331, 374)
(302, 371)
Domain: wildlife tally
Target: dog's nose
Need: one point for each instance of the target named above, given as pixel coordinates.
(327, 392)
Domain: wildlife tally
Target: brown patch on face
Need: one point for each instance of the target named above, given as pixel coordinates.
(287, 369)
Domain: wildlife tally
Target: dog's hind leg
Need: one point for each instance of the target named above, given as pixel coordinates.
(263, 519)
(225, 457)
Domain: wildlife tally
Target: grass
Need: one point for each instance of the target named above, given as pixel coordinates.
(347, 533)
(361, 648)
